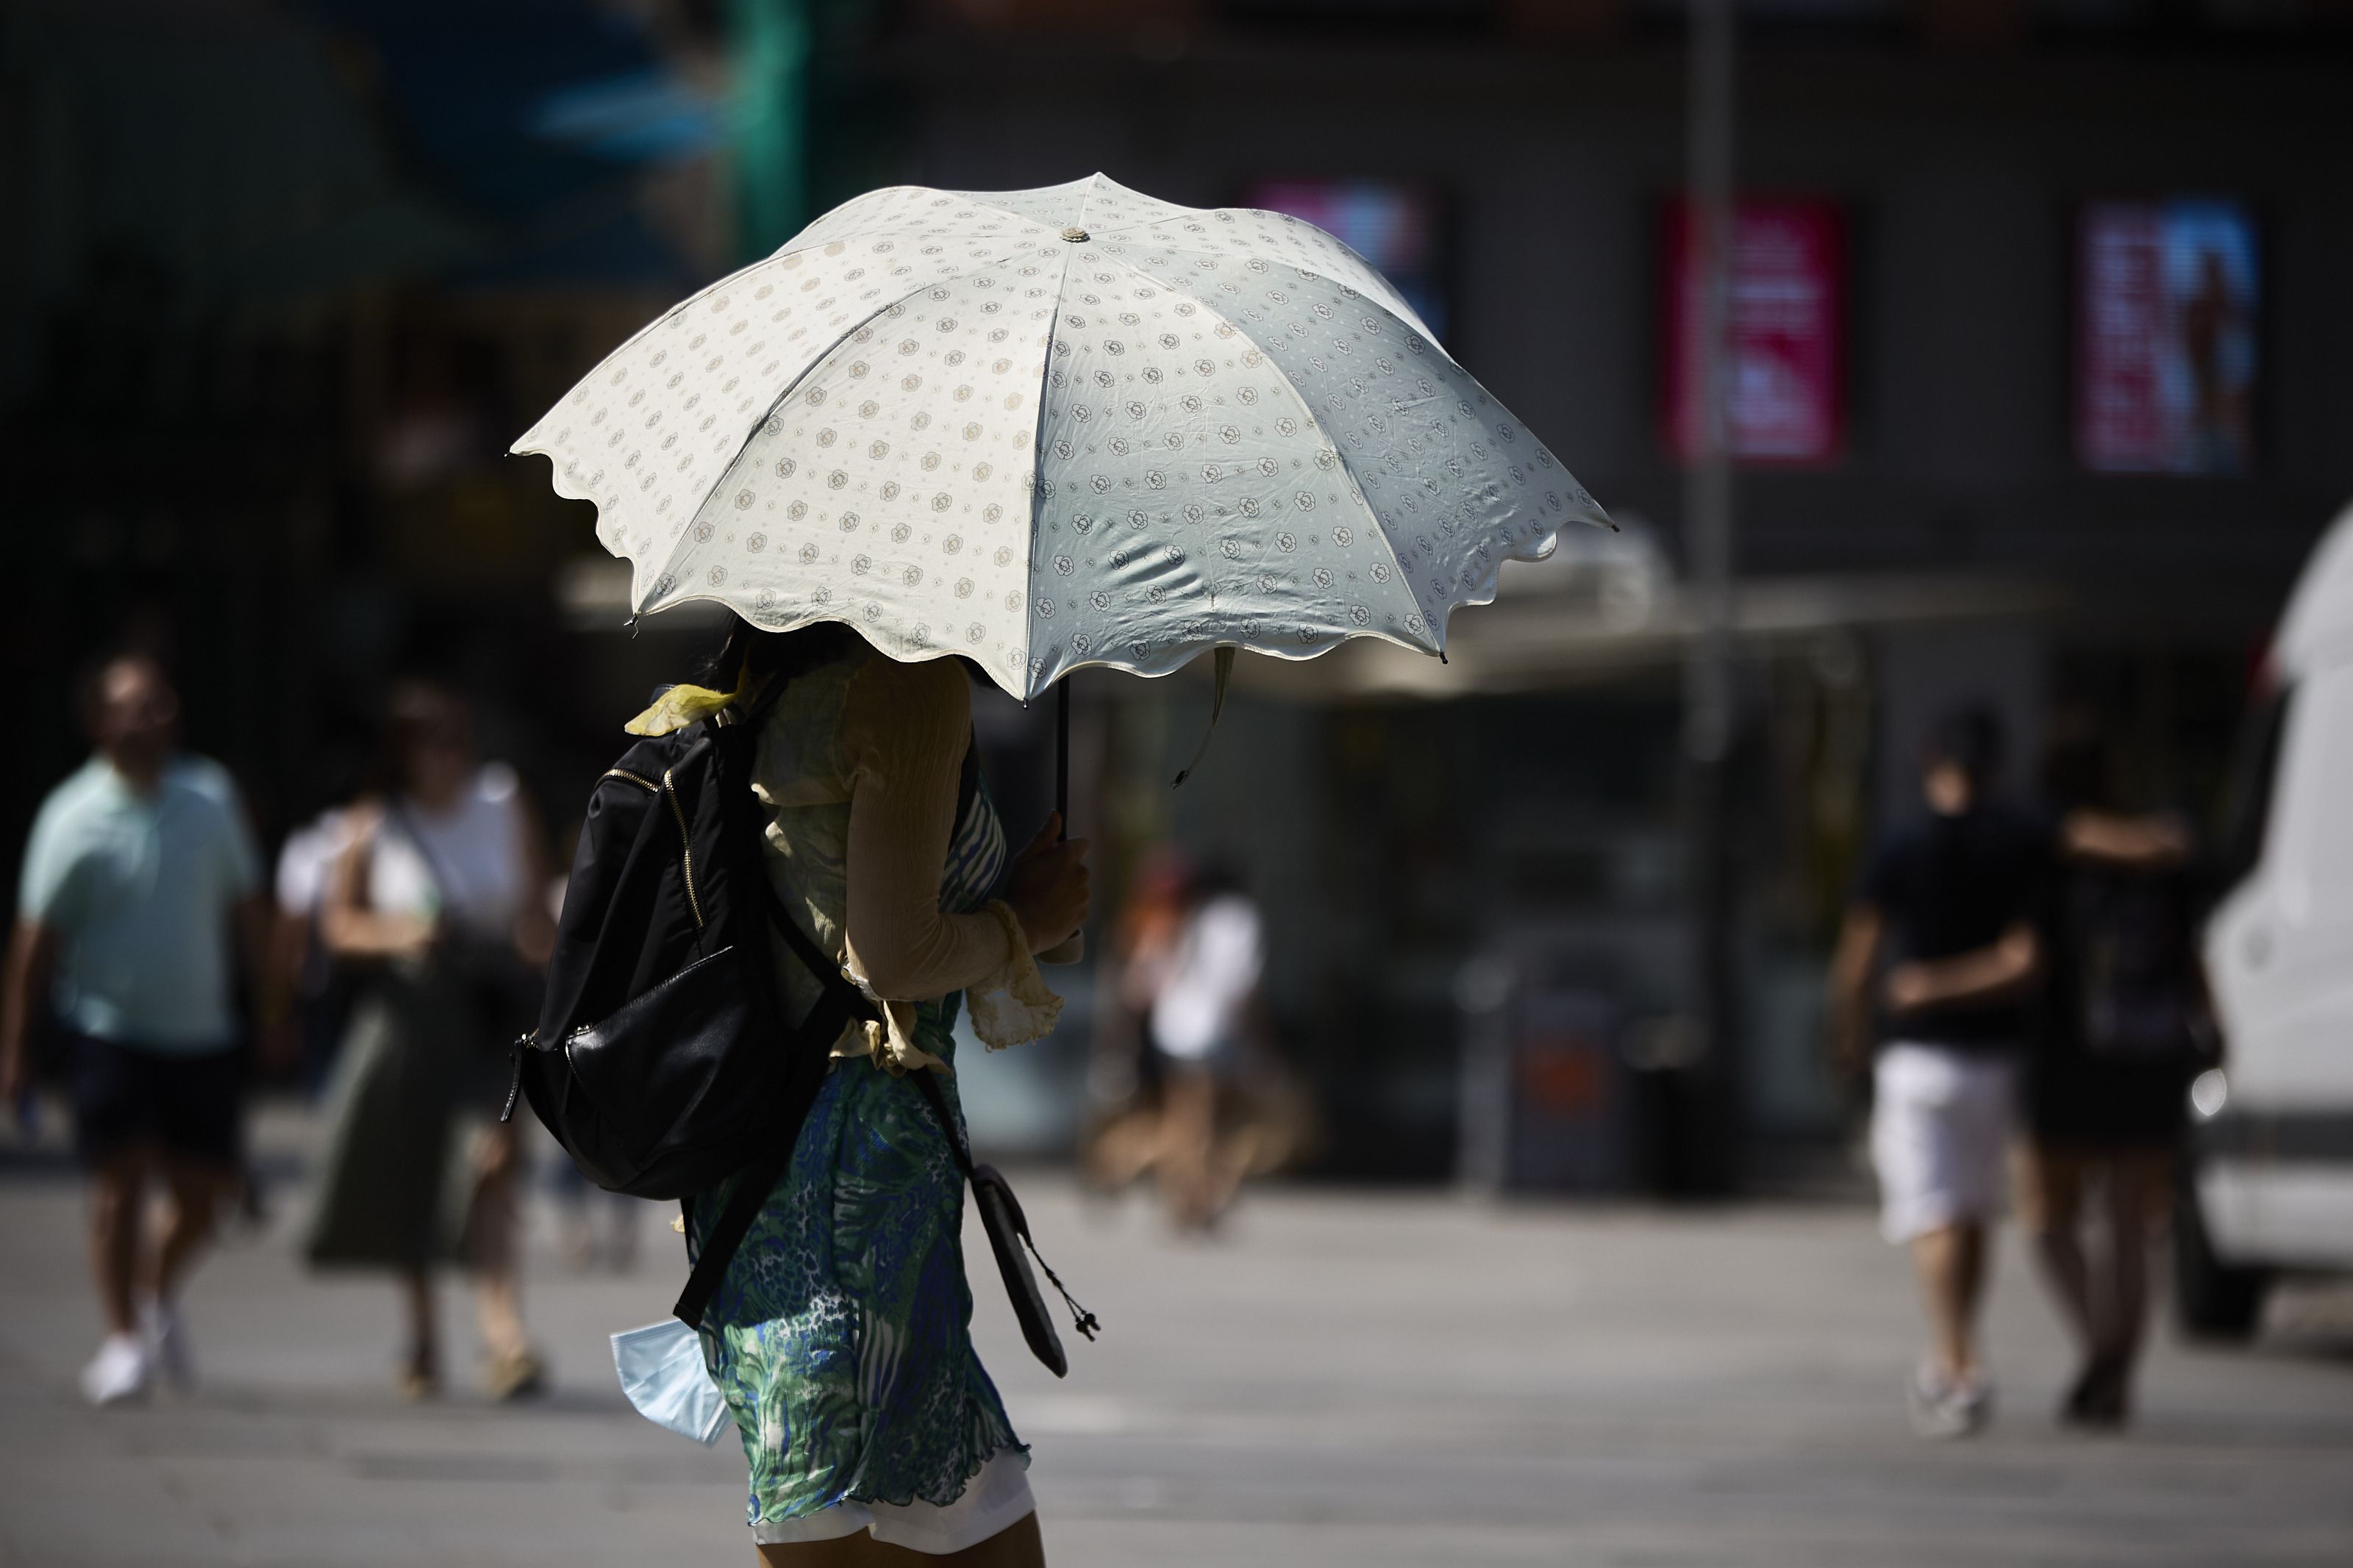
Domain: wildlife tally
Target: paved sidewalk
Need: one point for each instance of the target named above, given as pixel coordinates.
(1343, 1379)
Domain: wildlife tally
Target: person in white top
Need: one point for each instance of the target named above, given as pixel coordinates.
(433, 897)
(1199, 1022)
(1198, 1015)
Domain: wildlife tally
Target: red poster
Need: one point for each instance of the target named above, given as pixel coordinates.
(1785, 392)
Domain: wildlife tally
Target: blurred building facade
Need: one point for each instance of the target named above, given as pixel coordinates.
(1959, 483)
(283, 280)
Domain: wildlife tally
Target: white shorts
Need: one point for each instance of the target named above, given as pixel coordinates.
(995, 1499)
(1940, 1125)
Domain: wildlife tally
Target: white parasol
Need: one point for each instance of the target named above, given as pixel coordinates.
(1053, 428)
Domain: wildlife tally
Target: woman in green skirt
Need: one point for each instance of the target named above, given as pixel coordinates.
(840, 1333)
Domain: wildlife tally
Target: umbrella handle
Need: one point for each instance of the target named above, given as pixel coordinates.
(1074, 950)
(1062, 752)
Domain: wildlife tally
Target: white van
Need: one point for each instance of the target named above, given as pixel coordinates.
(2271, 1147)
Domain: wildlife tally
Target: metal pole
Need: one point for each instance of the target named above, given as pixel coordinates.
(1707, 487)
(1699, 1160)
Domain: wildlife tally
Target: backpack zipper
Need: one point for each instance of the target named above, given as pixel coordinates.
(685, 846)
(668, 789)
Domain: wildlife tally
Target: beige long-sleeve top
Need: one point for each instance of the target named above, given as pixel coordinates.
(858, 771)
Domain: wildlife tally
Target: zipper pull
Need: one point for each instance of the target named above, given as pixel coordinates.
(514, 1082)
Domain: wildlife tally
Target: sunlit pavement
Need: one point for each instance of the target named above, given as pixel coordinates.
(1342, 1378)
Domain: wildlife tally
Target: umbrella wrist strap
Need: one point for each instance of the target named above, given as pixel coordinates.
(1080, 1319)
(1221, 671)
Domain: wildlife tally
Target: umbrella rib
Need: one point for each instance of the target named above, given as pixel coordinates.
(680, 545)
(1394, 303)
(981, 199)
(1037, 441)
(1357, 488)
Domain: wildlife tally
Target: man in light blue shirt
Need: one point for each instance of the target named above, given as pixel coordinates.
(139, 881)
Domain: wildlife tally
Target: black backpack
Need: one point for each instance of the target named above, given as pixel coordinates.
(663, 1062)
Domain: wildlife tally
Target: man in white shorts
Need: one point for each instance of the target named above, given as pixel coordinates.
(1952, 901)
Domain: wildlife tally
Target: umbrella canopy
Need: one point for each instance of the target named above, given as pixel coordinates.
(1053, 428)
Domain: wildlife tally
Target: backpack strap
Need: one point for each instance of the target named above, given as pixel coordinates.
(928, 1084)
(930, 1088)
(837, 1003)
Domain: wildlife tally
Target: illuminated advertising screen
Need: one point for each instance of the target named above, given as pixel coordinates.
(1785, 333)
(2167, 294)
(1392, 223)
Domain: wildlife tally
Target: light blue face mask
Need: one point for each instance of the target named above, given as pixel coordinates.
(664, 1374)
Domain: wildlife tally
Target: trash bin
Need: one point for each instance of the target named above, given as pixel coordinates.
(1547, 1096)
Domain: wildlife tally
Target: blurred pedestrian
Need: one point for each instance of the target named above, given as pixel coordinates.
(141, 882)
(593, 1226)
(1121, 1139)
(1200, 1022)
(1185, 1085)
(1953, 898)
(438, 897)
(2123, 1031)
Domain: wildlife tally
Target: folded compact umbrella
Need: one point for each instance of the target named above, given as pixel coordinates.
(1053, 428)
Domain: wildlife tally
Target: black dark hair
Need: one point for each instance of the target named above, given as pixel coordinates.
(1971, 739)
(747, 651)
(1215, 877)
(414, 710)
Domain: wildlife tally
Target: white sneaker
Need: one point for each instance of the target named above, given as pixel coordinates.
(118, 1372)
(1945, 1408)
(166, 1334)
(1975, 1397)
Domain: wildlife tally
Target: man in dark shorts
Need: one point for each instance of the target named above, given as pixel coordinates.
(139, 881)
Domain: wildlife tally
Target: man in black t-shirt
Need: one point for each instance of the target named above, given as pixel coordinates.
(1952, 901)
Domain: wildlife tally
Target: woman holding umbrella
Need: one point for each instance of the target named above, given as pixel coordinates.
(1034, 430)
(841, 1337)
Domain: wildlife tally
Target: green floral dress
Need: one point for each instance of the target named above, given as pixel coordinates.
(840, 1336)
